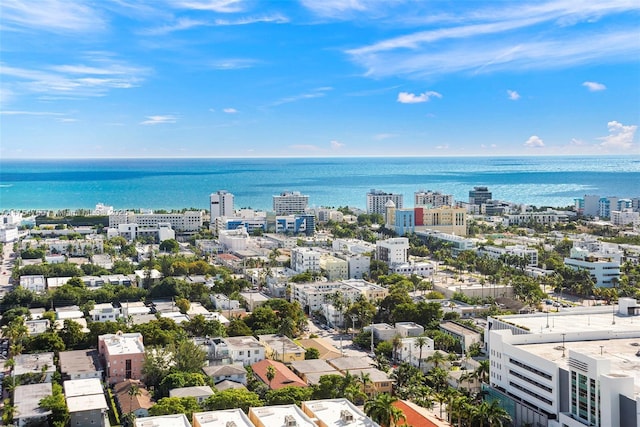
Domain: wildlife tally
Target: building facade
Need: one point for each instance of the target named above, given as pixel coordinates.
(377, 200)
(221, 204)
(290, 202)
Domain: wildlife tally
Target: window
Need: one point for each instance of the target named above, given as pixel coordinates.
(127, 368)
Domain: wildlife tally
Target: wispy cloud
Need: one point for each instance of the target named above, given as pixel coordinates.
(159, 120)
(334, 8)
(220, 6)
(489, 40)
(534, 141)
(594, 86)
(336, 145)
(315, 93)
(270, 19)
(183, 24)
(230, 110)
(180, 24)
(383, 136)
(59, 16)
(29, 113)
(620, 136)
(73, 81)
(513, 95)
(410, 98)
(234, 63)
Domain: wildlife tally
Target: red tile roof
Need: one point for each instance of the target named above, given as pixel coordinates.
(418, 416)
(284, 376)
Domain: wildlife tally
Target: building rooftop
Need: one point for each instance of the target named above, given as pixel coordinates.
(27, 400)
(79, 361)
(132, 403)
(243, 342)
(177, 420)
(130, 343)
(73, 388)
(280, 415)
(623, 354)
(337, 412)
(284, 376)
(224, 370)
(304, 367)
(350, 363)
(91, 402)
(228, 384)
(324, 347)
(222, 418)
(575, 319)
(458, 329)
(204, 390)
(33, 363)
(281, 343)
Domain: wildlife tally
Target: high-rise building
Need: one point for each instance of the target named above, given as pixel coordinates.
(221, 204)
(377, 200)
(432, 199)
(479, 195)
(290, 202)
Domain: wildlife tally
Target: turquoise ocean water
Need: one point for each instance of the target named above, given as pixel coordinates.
(184, 183)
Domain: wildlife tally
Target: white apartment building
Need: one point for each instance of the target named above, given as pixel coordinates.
(495, 252)
(393, 251)
(220, 204)
(8, 233)
(290, 202)
(359, 265)
(227, 418)
(548, 217)
(432, 199)
(34, 283)
(574, 368)
(377, 200)
(458, 243)
(352, 246)
(189, 221)
(305, 259)
(422, 269)
(314, 296)
(625, 217)
(130, 231)
(409, 329)
(234, 240)
(604, 270)
(105, 312)
(334, 267)
(245, 350)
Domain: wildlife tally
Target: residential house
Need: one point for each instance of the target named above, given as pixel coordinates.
(281, 347)
(416, 415)
(39, 365)
(283, 376)
(233, 372)
(86, 402)
(80, 364)
(26, 402)
(311, 370)
(105, 312)
(324, 347)
(138, 404)
(34, 283)
(245, 350)
(200, 393)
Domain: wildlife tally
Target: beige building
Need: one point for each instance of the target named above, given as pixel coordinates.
(445, 219)
(281, 348)
(334, 268)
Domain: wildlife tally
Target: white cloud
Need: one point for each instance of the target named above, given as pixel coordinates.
(269, 19)
(158, 120)
(620, 136)
(534, 141)
(410, 98)
(336, 145)
(29, 113)
(57, 16)
(577, 142)
(594, 86)
(234, 63)
(383, 136)
(67, 120)
(315, 93)
(334, 8)
(487, 39)
(442, 147)
(230, 110)
(220, 6)
(513, 95)
(180, 25)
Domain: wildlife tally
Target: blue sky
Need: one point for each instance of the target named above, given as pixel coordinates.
(235, 78)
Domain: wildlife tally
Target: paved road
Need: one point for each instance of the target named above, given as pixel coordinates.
(335, 338)
(6, 267)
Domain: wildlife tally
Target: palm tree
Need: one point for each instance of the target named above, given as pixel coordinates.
(436, 359)
(420, 342)
(492, 413)
(364, 380)
(382, 411)
(396, 342)
(8, 412)
(482, 371)
(134, 391)
(271, 374)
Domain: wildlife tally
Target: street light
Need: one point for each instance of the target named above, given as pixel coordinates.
(353, 326)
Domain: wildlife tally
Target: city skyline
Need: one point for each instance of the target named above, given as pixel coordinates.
(234, 78)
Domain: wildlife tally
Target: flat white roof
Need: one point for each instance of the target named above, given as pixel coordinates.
(222, 418)
(577, 319)
(84, 387)
(123, 344)
(329, 411)
(621, 354)
(177, 420)
(90, 402)
(275, 415)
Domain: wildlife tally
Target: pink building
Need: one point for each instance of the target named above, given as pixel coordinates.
(123, 356)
